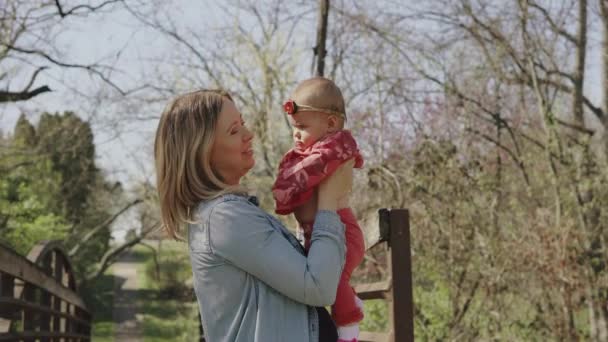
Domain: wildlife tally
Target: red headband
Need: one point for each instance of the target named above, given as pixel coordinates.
(290, 107)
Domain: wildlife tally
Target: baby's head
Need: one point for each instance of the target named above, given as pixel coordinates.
(316, 109)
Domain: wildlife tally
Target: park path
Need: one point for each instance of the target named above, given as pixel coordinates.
(126, 286)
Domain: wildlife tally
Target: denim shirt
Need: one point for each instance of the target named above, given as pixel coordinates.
(252, 279)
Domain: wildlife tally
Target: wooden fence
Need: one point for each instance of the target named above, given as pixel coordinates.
(394, 231)
(38, 298)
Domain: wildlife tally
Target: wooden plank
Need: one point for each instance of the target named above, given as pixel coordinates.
(56, 305)
(375, 231)
(45, 299)
(369, 227)
(367, 336)
(401, 271)
(15, 305)
(376, 290)
(9, 312)
(7, 285)
(30, 315)
(5, 325)
(18, 267)
(45, 317)
(38, 334)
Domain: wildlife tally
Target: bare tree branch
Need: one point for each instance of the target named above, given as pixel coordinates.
(109, 257)
(555, 26)
(92, 68)
(7, 96)
(63, 13)
(101, 226)
(26, 93)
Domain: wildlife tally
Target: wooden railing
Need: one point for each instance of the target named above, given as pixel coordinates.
(38, 297)
(394, 230)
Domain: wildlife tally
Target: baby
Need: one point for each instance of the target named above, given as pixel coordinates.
(316, 112)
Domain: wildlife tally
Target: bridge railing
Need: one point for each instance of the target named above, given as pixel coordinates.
(393, 231)
(38, 296)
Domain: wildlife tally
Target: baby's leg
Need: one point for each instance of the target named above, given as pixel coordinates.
(347, 311)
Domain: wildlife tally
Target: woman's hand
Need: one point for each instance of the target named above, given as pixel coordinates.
(336, 187)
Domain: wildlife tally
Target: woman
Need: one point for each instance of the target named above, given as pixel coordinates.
(252, 279)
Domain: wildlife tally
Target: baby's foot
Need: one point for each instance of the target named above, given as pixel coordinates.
(348, 333)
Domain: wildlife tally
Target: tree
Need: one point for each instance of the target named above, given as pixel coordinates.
(25, 134)
(497, 80)
(68, 142)
(52, 189)
(27, 33)
(29, 188)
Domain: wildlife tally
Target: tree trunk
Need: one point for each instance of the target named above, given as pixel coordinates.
(579, 72)
(602, 323)
(321, 37)
(604, 16)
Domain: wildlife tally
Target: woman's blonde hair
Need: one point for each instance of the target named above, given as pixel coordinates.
(182, 150)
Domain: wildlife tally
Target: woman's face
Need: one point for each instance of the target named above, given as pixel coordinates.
(232, 152)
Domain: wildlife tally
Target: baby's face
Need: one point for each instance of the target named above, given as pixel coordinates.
(308, 128)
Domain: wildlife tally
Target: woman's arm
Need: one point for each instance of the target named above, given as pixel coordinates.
(243, 235)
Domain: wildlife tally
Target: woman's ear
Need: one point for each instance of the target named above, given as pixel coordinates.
(332, 124)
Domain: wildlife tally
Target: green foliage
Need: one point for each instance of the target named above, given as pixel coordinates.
(27, 197)
(375, 316)
(168, 316)
(103, 332)
(499, 254)
(68, 142)
(51, 189)
(169, 320)
(432, 299)
(174, 271)
(100, 300)
(25, 133)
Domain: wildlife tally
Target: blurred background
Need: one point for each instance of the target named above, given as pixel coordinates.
(486, 119)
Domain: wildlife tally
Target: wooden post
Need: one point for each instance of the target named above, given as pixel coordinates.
(7, 290)
(7, 286)
(58, 322)
(45, 299)
(401, 308)
(29, 317)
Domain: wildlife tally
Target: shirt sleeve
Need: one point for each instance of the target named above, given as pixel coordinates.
(243, 235)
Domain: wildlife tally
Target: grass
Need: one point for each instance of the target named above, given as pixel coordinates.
(164, 318)
(103, 332)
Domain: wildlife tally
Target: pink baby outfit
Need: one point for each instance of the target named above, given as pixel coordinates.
(300, 171)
